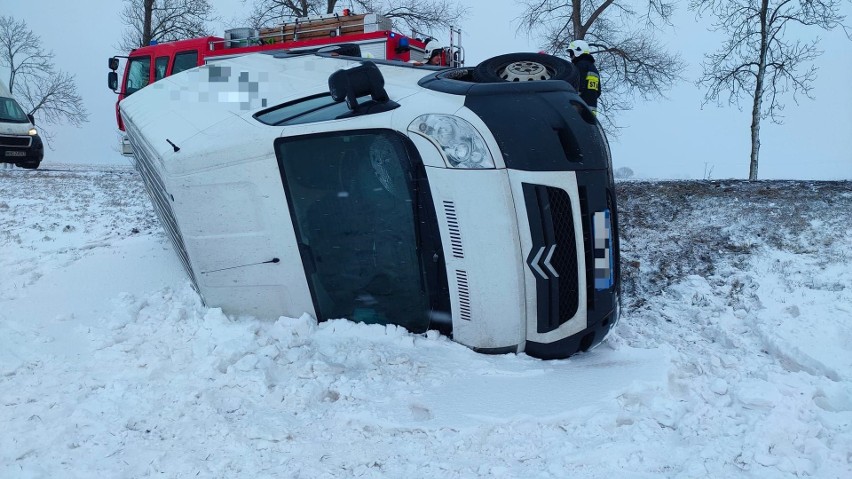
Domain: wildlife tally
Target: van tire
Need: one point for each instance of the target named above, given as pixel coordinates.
(516, 67)
(28, 166)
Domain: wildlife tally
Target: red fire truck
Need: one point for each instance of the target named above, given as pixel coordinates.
(371, 35)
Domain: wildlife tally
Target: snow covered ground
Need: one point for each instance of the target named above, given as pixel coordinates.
(733, 357)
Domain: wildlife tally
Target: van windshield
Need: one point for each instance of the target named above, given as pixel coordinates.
(11, 112)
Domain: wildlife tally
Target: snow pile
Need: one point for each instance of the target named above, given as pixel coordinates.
(732, 358)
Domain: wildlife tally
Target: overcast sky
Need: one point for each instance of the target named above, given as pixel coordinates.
(670, 138)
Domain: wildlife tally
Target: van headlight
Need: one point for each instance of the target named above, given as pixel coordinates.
(461, 144)
(32, 132)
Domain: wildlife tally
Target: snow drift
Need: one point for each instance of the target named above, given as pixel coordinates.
(732, 357)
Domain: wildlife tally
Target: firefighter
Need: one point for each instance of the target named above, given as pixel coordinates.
(588, 78)
(435, 58)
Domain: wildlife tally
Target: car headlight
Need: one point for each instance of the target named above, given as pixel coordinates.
(461, 143)
(32, 132)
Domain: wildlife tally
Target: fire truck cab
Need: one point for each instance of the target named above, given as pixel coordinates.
(369, 35)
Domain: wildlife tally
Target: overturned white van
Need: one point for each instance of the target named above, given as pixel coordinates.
(382, 192)
(19, 140)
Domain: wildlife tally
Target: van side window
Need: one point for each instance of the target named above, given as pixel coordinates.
(185, 61)
(160, 65)
(138, 74)
(311, 109)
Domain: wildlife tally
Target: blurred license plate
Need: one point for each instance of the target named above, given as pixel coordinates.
(16, 153)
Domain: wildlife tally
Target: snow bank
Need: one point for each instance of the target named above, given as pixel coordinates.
(732, 358)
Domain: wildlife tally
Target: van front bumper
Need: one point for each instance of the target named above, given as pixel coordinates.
(21, 149)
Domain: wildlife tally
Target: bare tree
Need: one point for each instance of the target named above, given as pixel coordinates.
(48, 94)
(631, 60)
(419, 15)
(164, 21)
(266, 12)
(759, 60)
(55, 98)
(22, 51)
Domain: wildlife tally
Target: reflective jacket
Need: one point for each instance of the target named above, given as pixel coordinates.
(588, 80)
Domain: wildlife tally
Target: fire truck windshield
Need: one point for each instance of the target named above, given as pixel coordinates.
(138, 74)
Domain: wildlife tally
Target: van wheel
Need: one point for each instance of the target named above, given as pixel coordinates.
(28, 166)
(519, 67)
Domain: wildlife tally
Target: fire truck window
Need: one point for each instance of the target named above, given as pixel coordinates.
(138, 74)
(160, 65)
(185, 61)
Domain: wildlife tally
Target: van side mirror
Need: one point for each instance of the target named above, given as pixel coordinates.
(353, 83)
(113, 63)
(32, 118)
(112, 80)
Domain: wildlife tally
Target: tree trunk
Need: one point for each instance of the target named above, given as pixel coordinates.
(575, 19)
(146, 24)
(755, 139)
(758, 92)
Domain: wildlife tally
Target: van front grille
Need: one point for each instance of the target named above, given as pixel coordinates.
(16, 141)
(553, 256)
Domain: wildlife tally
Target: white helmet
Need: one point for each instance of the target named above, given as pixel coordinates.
(579, 47)
(435, 50)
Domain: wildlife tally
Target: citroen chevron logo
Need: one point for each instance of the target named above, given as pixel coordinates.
(535, 262)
